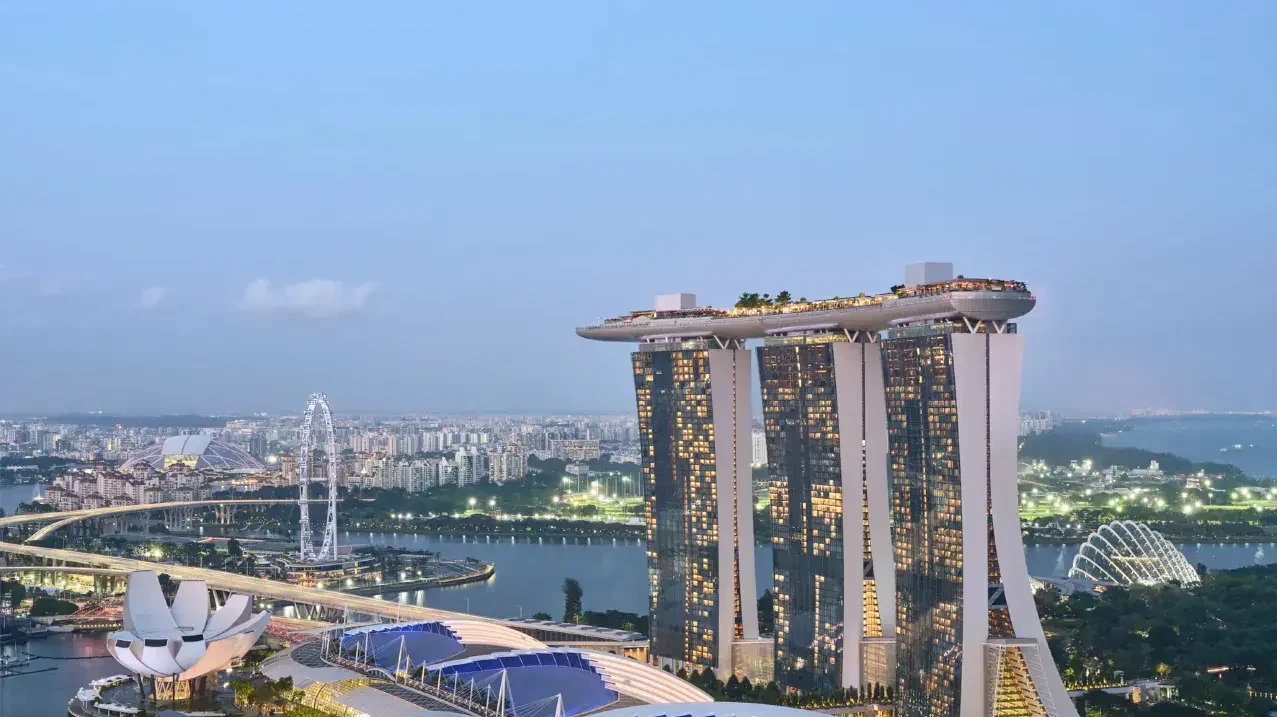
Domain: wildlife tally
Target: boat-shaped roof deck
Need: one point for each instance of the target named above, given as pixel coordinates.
(974, 299)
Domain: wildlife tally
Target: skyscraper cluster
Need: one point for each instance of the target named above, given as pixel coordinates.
(889, 433)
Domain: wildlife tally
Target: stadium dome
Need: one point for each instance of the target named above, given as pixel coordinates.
(195, 451)
(1130, 553)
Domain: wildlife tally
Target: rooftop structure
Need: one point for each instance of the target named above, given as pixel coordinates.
(466, 662)
(1130, 553)
(195, 451)
(995, 300)
(175, 648)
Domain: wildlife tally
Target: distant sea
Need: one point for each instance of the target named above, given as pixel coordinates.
(1200, 438)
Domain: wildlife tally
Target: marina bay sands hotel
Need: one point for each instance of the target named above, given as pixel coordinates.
(890, 423)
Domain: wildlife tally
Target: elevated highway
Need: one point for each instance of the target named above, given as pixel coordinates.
(60, 520)
(328, 601)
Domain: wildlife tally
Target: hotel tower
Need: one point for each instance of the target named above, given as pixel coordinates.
(890, 423)
(824, 415)
(693, 414)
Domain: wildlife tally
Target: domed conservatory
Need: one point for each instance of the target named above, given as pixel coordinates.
(1129, 553)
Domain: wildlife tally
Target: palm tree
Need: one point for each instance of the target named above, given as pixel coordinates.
(783, 298)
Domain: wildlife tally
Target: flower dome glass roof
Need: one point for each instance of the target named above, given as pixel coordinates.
(1129, 553)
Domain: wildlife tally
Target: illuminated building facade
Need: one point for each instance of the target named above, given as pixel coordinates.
(693, 413)
(825, 421)
(921, 384)
(969, 642)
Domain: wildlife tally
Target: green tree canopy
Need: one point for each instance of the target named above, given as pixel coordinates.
(572, 595)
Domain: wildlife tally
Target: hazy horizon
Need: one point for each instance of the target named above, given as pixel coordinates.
(411, 206)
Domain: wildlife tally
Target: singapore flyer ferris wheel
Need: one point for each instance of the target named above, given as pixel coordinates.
(328, 549)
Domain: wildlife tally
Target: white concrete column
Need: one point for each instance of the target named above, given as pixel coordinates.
(876, 465)
(1006, 353)
(971, 386)
(730, 382)
(862, 445)
(849, 380)
(743, 449)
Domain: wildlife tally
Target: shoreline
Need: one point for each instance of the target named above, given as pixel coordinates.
(425, 583)
(1269, 540)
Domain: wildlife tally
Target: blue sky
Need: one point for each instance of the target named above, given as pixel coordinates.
(410, 205)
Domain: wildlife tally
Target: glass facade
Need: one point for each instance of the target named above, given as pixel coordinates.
(922, 439)
(1010, 685)
(801, 423)
(927, 529)
(809, 496)
(676, 430)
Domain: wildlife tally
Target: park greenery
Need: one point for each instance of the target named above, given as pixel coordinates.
(574, 612)
(1082, 441)
(12, 593)
(1062, 500)
(743, 690)
(51, 607)
(262, 693)
(31, 469)
(767, 613)
(541, 504)
(1215, 641)
(572, 594)
(749, 300)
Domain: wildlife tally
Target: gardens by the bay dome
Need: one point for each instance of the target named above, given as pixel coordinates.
(1129, 553)
(195, 451)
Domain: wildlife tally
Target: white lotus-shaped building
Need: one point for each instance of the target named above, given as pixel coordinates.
(176, 646)
(1130, 553)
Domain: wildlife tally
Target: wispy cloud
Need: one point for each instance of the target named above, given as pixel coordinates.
(152, 297)
(313, 299)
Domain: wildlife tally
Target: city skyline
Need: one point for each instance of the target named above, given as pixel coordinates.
(394, 184)
(582, 359)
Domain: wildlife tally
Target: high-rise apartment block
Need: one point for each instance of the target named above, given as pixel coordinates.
(575, 450)
(508, 463)
(890, 428)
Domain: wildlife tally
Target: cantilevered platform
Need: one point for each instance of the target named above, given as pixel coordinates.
(989, 300)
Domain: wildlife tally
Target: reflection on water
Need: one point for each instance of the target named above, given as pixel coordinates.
(530, 572)
(46, 693)
(12, 495)
(613, 571)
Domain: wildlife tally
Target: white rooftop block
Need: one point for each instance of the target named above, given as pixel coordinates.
(928, 272)
(675, 302)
